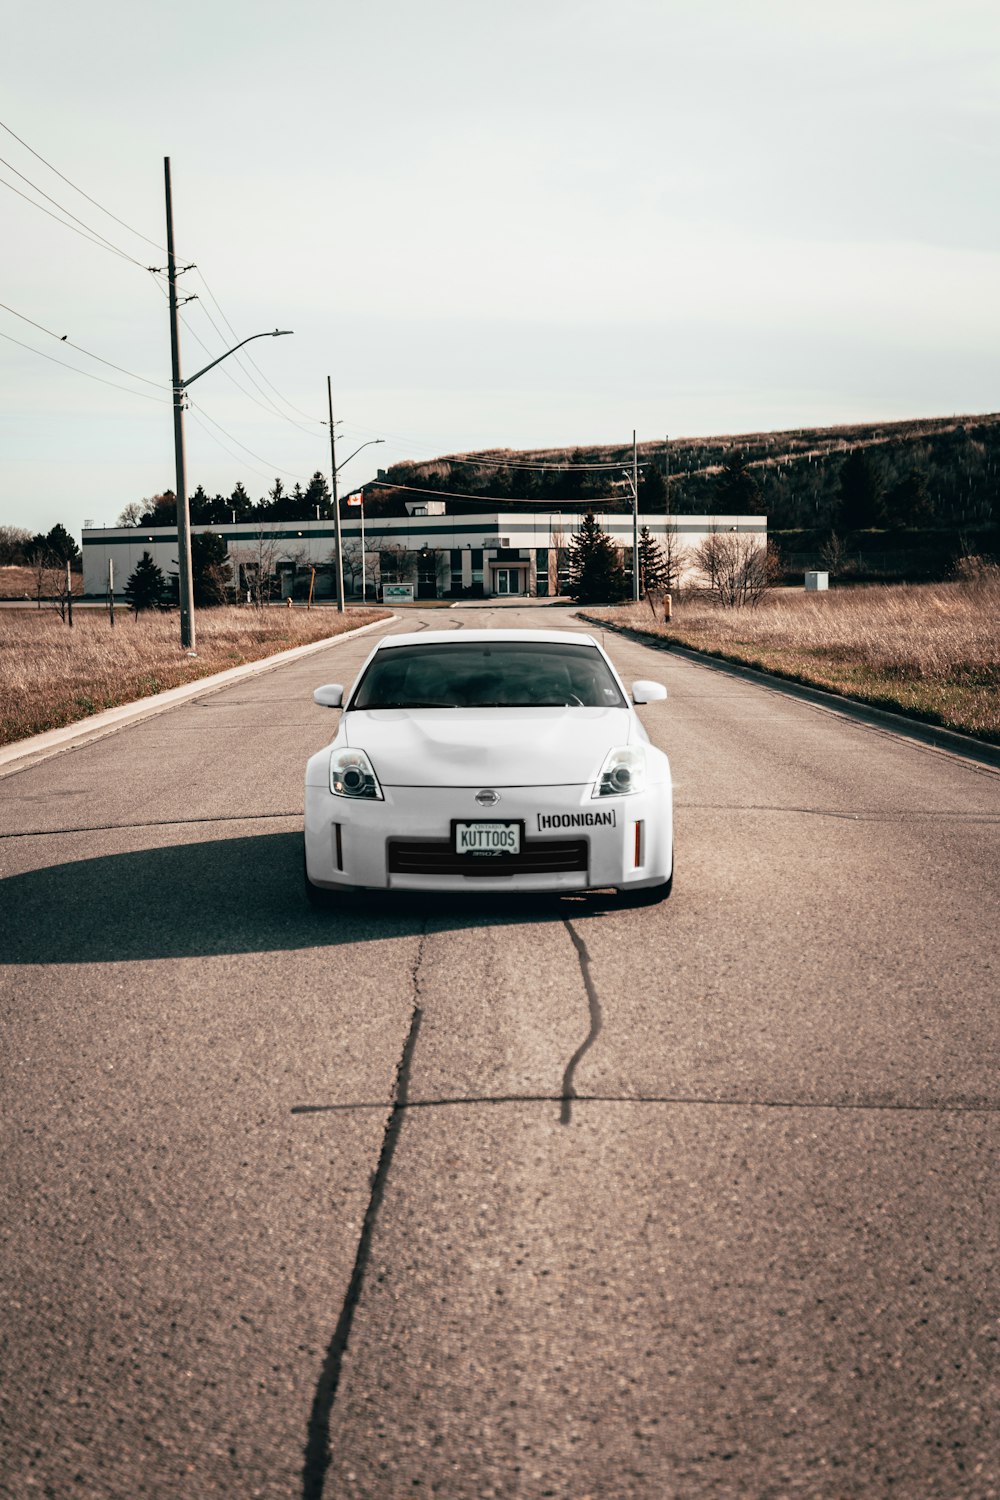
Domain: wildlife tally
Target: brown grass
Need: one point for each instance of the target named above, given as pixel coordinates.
(51, 675)
(21, 583)
(931, 651)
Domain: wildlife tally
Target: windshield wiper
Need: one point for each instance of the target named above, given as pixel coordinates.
(407, 703)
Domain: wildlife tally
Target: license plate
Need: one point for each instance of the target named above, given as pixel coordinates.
(487, 839)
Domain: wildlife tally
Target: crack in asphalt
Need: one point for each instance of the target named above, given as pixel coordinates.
(318, 1452)
(703, 1100)
(568, 1093)
(864, 815)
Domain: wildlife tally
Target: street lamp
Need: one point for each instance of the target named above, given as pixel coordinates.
(335, 469)
(361, 502)
(633, 479)
(184, 581)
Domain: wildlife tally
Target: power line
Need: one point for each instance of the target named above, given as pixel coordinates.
(271, 410)
(85, 373)
(62, 339)
(497, 463)
(242, 389)
(538, 502)
(276, 411)
(250, 358)
(484, 462)
(259, 456)
(260, 472)
(79, 190)
(93, 235)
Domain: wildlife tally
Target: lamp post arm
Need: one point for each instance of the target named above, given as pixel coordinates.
(277, 334)
(370, 444)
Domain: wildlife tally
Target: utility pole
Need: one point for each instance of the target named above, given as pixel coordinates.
(635, 519)
(185, 591)
(336, 503)
(184, 580)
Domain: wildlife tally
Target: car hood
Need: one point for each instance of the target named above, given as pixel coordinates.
(486, 746)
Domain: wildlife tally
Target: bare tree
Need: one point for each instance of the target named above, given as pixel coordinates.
(255, 565)
(737, 568)
(675, 560)
(49, 573)
(133, 513)
(353, 564)
(559, 558)
(832, 553)
(396, 563)
(13, 541)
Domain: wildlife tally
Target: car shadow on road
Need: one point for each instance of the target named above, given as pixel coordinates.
(241, 895)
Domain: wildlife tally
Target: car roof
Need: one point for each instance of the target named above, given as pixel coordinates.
(456, 637)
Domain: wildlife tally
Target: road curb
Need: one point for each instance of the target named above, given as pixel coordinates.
(933, 735)
(24, 753)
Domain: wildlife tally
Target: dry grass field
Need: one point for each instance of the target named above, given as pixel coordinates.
(51, 675)
(928, 650)
(22, 583)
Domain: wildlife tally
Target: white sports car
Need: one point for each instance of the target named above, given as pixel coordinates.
(489, 760)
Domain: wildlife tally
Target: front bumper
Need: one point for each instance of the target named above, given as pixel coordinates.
(404, 842)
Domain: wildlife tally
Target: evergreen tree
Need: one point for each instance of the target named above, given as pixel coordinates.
(737, 492)
(861, 493)
(596, 575)
(652, 563)
(908, 502)
(144, 589)
(199, 506)
(652, 492)
(211, 574)
(240, 502)
(273, 506)
(61, 544)
(317, 493)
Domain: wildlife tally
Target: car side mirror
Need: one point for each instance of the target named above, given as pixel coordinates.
(330, 696)
(648, 692)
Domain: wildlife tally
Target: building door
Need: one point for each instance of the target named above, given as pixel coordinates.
(507, 581)
(427, 575)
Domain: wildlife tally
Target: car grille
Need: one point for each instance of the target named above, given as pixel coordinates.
(437, 857)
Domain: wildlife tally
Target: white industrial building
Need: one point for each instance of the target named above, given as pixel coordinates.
(494, 553)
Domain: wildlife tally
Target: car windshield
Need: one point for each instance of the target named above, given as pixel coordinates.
(488, 674)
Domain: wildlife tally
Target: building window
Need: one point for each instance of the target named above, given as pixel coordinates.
(456, 570)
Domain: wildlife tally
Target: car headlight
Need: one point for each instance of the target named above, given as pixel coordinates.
(352, 775)
(623, 772)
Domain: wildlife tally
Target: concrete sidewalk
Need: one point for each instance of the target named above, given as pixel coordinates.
(24, 753)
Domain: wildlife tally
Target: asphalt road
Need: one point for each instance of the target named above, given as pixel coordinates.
(479, 1198)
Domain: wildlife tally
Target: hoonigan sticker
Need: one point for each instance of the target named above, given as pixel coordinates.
(605, 818)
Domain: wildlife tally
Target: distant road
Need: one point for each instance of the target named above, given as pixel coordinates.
(475, 1198)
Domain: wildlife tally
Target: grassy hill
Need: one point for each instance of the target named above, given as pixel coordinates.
(930, 472)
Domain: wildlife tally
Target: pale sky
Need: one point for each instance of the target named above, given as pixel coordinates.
(516, 224)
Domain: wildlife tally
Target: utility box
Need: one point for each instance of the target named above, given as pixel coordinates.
(817, 582)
